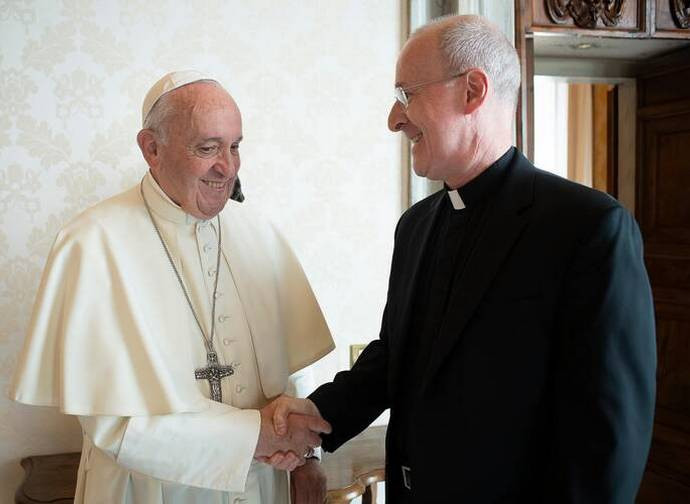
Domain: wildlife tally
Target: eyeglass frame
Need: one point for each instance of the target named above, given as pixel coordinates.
(401, 92)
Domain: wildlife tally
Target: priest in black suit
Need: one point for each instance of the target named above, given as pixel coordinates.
(517, 347)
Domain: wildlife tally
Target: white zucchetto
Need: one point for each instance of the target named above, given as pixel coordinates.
(167, 83)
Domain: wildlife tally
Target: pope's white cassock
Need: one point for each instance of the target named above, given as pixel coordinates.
(113, 340)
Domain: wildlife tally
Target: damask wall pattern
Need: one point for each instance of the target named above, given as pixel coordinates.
(313, 80)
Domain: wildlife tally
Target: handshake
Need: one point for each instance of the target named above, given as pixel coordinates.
(289, 432)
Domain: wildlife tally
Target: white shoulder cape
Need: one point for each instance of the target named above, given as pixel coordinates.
(102, 342)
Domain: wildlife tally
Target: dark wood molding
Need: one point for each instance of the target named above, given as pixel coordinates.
(612, 142)
(586, 13)
(668, 64)
(680, 10)
(664, 110)
(524, 45)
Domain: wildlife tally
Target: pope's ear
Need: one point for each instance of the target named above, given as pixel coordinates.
(476, 90)
(149, 146)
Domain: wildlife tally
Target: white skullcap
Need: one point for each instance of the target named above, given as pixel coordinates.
(167, 83)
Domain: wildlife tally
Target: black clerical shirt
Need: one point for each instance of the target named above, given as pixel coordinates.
(450, 243)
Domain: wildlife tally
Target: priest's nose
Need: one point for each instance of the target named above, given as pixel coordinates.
(396, 117)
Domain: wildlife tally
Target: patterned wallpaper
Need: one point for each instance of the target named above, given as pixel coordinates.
(313, 80)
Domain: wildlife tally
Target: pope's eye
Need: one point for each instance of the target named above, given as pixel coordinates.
(206, 150)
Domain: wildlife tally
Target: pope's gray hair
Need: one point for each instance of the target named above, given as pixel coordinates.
(473, 42)
(158, 119)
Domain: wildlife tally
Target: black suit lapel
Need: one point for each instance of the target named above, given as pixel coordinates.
(505, 220)
(415, 249)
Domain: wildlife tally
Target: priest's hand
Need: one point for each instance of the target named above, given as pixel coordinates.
(285, 405)
(308, 483)
(299, 435)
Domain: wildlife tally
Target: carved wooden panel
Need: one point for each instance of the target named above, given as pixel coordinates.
(585, 14)
(656, 484)
(666, 183)
(672, 211)
(669, 272)
(664, 213)
(673, 372)
(661, 89)
(680, 10)
(667, 479)
(672, 18)
(608, 16)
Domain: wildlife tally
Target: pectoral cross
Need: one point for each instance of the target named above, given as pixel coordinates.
(214, 372)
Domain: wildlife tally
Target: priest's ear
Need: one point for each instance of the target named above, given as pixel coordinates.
(476, 90)
(149, 145)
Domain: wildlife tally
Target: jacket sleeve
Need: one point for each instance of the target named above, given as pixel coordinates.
(605, 370)
(209, 449)
(355, 398)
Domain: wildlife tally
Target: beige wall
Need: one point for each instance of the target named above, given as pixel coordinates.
(313, 80)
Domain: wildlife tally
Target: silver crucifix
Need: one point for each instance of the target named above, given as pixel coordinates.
(214, 372)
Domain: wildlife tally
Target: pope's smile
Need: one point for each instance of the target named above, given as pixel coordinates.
(214, 184)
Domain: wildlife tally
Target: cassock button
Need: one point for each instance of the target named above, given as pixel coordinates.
(218, 294)
(208, 247)
(222, 318)
(211, 272)
(239, 388)
(227, 341)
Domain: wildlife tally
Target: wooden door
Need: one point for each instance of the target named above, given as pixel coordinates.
(663, 210)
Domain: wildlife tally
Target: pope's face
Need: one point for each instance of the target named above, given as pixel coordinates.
(198, 162)
(433, 119)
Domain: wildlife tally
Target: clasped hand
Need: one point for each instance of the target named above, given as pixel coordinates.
(289, 432)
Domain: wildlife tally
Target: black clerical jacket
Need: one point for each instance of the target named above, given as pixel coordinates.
(540, 384)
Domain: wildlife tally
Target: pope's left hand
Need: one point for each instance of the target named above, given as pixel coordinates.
(308, 483)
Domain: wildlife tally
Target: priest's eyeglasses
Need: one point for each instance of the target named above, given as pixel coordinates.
(401, 92)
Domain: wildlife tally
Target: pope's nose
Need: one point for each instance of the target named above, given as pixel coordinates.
(228, 164)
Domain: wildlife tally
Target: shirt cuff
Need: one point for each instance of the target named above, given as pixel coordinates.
(212, 449)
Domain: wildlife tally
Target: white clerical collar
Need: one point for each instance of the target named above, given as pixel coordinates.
(456, 200)
(162, 205)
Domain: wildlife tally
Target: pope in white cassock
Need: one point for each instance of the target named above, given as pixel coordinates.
(166, 320)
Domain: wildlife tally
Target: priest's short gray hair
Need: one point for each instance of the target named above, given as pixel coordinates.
(473, 41)
(163, 111)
